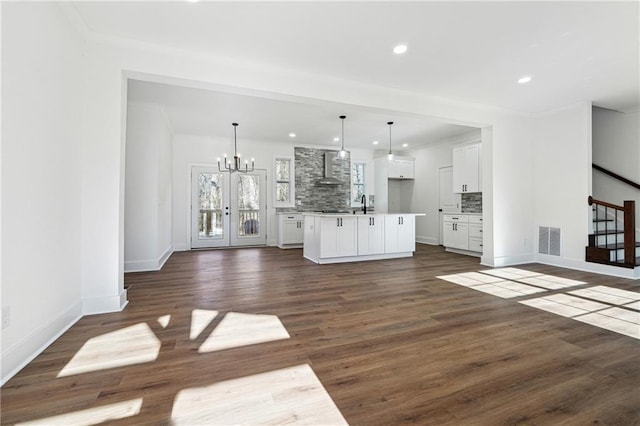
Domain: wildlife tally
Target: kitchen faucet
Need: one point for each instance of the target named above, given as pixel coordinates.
(363, 202)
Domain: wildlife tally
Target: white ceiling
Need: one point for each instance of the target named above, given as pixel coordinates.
(210, 113)
(464, 51)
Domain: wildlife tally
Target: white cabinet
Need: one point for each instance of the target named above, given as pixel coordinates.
(290, 230)
(370, 234)
(466, 169)
(475, 233)
(353, 238)
(399, 233)
(456, 231)
(400, 168)
(338, 236)
(463, 232)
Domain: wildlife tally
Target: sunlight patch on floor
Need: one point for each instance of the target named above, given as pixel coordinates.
(633, 305)
(288, 396)
(511, 273)
(617, 323)
(619, 320)
(92, 416)
(200, 319)
(564, 305)
(550, 282)
(613, 296)
(164, 320)
(491, 285)
(136, 344)
(237, 329)
(593, 306)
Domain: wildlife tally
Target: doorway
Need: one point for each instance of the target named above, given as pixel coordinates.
(228, 209)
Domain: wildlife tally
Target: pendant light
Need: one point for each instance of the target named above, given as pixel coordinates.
(234, 166)
(390, 155)
(342, 153)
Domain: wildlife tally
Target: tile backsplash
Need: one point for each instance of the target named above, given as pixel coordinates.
(472, 202)
(309, 168)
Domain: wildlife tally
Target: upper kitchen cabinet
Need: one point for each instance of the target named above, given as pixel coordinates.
(393, 181)
(467, 173)
(397, 167)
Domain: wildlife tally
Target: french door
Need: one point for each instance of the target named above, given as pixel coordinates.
(228, 209)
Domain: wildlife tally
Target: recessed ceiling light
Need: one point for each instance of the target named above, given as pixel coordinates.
(292, 135)
(400, 49)
(193, 1)
(336, 139)
(404, 145)
(525, 79)
(375, 142)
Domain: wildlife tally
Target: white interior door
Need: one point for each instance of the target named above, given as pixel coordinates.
(227, 209)
(449, 202)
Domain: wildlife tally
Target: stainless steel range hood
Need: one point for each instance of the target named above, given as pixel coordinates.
(328, 178)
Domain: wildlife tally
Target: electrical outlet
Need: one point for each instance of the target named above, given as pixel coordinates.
(6, 317)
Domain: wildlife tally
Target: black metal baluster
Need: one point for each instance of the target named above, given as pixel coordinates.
(606, 235)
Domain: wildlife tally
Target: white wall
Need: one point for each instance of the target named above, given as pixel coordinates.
(41, 174)
(148, 188)
(616, 147)
(563, 180)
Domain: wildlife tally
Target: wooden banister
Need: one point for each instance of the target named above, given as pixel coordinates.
(592, 201)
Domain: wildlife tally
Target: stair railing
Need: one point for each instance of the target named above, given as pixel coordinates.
(628, 211)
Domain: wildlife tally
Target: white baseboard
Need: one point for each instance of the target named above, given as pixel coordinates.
(500, 262)
(165, 256)
(148, 265)
(595, 268)
(427, 240)
(181, 247)
(102, 305)
(21, 353)
(465, 252)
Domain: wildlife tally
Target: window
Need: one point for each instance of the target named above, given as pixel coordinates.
(358, 188)
(284, 182)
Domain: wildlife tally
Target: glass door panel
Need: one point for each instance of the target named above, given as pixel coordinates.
(249, 200)
(210, 208)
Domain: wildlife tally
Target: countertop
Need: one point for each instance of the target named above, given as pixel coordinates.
(357, 214)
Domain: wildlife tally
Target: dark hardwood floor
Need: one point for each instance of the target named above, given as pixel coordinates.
(390, 342)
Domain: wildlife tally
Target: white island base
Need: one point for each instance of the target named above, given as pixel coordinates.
(331, 238)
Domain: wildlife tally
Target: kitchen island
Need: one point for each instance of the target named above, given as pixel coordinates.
(335, 238)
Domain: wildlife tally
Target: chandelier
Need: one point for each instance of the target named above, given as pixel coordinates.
(235, 166)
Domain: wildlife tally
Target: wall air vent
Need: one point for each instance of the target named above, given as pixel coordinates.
(549, 240)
